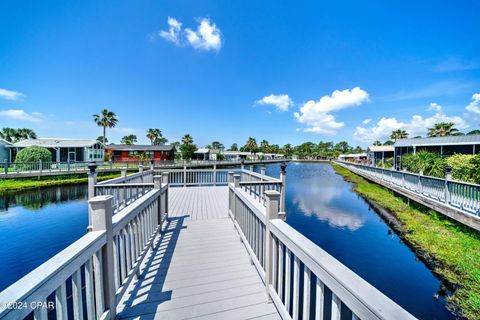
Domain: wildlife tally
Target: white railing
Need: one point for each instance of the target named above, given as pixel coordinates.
(98, 267)
(462, 196)
(280, 254)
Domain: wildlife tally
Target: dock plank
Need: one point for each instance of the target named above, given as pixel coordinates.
(199, 269)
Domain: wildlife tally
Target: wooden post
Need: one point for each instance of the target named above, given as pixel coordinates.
(140, 168)
(165, 202)
(184, 175)
(92, 181)
(283, 178)
(273, 198)
(157, 184)
(101, 209)
(152, 164)
(262, 172)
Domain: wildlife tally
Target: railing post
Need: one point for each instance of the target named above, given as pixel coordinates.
(184, 175)
(140, 170)
(242, 165)
(283, 178)
(262, 172)
(273, 198)
(165, 181)
(157, 184)
(6, 167)
(101, 209)
(123, 172)
(420, 186)
(230, 176)
(68, 165)
(448, 177)
(236, 184)
(110, 162)
(214, 174)
(40, 166)
(152, 164)
(92, 181)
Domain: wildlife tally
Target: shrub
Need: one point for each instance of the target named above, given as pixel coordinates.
(220, 157)
(462, 167)
(34, 154)
(475, 161)
(431, 163)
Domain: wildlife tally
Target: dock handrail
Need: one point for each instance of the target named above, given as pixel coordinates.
(275, 248)
(98, 267)
(463, 196)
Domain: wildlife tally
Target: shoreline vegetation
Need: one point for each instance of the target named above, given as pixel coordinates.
(21, 184)
(450, 249)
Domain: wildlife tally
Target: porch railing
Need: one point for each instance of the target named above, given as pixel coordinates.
(281, 254)
(98, 267)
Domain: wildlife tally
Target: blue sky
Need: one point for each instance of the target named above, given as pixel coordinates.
(284, 71)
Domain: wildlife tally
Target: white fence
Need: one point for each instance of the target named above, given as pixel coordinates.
(281, 254)
(462, 196)
(92, 273)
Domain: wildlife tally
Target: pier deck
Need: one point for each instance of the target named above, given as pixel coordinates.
(199, 268)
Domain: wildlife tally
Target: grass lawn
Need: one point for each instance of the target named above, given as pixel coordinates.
(10, 185)
(454, 248)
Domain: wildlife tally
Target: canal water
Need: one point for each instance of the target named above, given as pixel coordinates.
(35, 225)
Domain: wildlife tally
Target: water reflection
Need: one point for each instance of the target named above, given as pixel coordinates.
(315, 198)
(37, 199)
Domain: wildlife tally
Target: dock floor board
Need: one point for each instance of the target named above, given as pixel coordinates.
(199, 268)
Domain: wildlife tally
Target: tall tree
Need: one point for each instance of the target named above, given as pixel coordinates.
(24, 134)
(217, 145)
(398, 134)
(234, 147)
(130, 139)
(105, 119)
(100, 139)
(187, 139)
(342, 147)
(377, 143)
(251, 145)
(8, 134)
(443, 129)
(474, 132)
(153, 134)
(287, 149)
(264, 146)
(388, 143)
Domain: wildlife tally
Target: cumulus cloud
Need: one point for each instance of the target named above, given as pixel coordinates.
(366, 121)
(416, 126)
(281, 101)
(434, 107)
(474, 105)
(173, 33)
(207, 35)
(10, 95)
(316, 115)
(22, 115)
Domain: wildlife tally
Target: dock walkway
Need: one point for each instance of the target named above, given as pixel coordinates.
(199, 268)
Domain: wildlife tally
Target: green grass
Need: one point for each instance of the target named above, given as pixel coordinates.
(453, 248)
(11, 185)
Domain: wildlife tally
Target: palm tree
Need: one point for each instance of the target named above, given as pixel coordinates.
(187, 139)
(161, 141)
(234, 147)
(474, 132)
(287, 149)
(130, 139)
(264, 145)
(398, 134)
(153, 135)
(251, 146)
(443, 129)
(217, 145)
(24, 134)
(100, 139)
(106, 119)
(8, 134)
(377, 143)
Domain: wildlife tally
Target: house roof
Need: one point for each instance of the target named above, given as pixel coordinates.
(381, 148)
(5, 141)
(140, 147)
(55, 143)
(353, 155)
(437, 141)
(202, 150)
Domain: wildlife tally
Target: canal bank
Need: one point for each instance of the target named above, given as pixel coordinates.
(450, 249)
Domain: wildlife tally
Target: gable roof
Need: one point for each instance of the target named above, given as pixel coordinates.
(381, 148)
(437, 141)
(55, 143)
(140, 147)
(3, 141)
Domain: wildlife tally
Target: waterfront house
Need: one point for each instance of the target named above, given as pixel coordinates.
(375, 154)
(236, 155)
(445, 146)
(4, 150)
(63, 150)
(201, 154)
(353, 157)
(127, 152)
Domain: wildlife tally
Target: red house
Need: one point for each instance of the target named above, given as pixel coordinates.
(125, 152)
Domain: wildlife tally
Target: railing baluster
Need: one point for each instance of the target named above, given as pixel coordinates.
(77, 295)
(306, 293)
(89, 290)
(296, 286)
(61, 302)
(319, 299)
(336, 307)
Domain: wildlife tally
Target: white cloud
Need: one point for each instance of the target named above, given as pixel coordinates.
(282, 101)
(434, 90)
(174, 31)
(416, 126)
(10, 95)
(434, 107)
(207, 37)
(366, 121)
(315, 114)
(474, 105)
(22, 115)
(454, 64)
